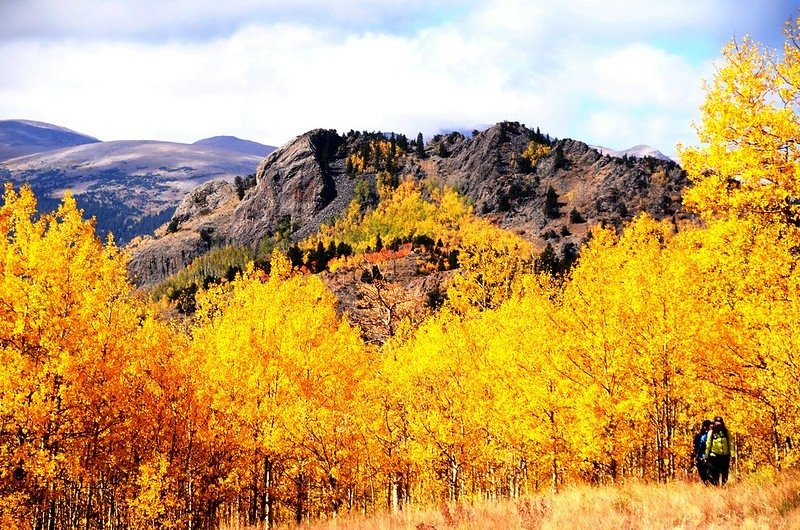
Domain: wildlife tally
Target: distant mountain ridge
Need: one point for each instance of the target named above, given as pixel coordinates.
(638, 151)
(237, 144)
(26, 137)
(130, 186)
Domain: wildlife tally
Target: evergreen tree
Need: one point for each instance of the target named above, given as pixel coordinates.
(569, 255)
(321, 257)
(420, 146)
(343, 249)
(547, 262)
(561, 161)
(551, 206)
(575, 217)
(523, 164)
(239, 186)
(452, 260)
(402, 142)
(295, 255)
(377, 158)
(391, 155)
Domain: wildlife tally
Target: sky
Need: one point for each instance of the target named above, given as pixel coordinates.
(610, 73)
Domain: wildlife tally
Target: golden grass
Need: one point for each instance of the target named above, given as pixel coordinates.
(750, 505)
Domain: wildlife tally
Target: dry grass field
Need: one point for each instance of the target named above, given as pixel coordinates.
(773, 504)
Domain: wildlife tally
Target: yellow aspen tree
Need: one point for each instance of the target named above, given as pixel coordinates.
(749, 286)
(386, 415)
(593, 357)
(628, 331)
(747, 163)
(280, 371)
(404, 212)
(492, 262)
(746, 177)
(440, 378)
(534, 405)
(69, 343)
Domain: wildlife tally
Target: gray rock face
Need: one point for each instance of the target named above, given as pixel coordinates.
(482, 167)
(293, 183)
(153, 260)
(295, 186)
(601, 189)
(203, 200)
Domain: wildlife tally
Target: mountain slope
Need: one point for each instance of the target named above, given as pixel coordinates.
(307, 182)
(130, 186)
(25, 137)
(237, 144)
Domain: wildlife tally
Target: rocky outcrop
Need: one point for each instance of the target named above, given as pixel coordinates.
(155, 259)
(294, 183)
(590, 188)
(296, 187)
(195, 229)
(482, 167)
(304, 183)
(203, 200)
(376, 297)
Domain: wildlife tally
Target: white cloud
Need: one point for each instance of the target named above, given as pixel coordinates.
(602, 72)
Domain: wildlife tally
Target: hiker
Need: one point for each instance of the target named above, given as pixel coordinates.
(718, 452)
(699, 452)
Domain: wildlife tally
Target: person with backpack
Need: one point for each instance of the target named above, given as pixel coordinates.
(718, 452)
(699, 452)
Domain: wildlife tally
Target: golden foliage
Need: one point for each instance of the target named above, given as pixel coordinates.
(535, 152)
(748, 162)
(491, 264)
(374, 156)
(402, 215)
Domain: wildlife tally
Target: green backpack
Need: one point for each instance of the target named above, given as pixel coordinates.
(719, 444)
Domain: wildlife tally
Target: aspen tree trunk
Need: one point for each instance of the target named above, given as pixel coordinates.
(453, 479)
(266, 510)
(371, 495)
(190, 505)
(407, 486)
(394, 493)
(554, 450)
(298, 511)
(89, 506)
(52, 516)
(776, 443)
(101, 493)
(189, 486)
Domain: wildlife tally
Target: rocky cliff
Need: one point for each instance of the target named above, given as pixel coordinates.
(553, 197)
(488, 169)
(296, 187)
